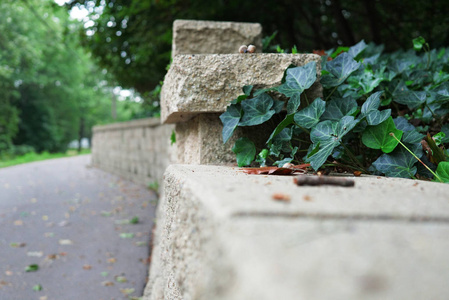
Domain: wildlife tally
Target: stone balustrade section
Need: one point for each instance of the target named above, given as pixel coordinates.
(193, 37)
(138, 150)
(198, 88)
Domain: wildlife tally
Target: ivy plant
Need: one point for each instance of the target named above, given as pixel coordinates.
(381, 113)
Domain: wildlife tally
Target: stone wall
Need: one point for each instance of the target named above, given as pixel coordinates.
(137, 150)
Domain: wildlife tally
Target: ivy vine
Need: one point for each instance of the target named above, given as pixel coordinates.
(380, 114)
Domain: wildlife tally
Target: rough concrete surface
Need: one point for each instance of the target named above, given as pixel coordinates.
(206, 83)
(221, 235)
(199, 140)
(71, 220)
(194, 37)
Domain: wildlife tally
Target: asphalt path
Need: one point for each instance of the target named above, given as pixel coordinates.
(70, 231)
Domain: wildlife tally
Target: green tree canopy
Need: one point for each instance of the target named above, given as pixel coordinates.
(132, 38)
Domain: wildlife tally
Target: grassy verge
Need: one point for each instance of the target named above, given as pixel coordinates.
(32, 156)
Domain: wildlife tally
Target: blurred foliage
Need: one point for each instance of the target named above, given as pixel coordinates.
(132, 38)
(51, 90)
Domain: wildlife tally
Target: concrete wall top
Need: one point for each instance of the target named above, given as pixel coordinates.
(194, 37)
(206, 83)
(148, 122)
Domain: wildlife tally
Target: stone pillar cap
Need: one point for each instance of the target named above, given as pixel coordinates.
(194, 37)
(206, 83)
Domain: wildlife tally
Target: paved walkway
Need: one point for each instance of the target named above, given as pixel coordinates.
(71, 222)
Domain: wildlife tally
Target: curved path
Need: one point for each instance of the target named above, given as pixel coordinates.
(71, 221)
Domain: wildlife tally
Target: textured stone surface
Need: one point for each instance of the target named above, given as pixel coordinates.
(206, 83)
(220, 235)
(138, 150)
(194, 37)
(199, 140)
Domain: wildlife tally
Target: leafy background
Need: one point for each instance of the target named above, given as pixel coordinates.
(381, 113)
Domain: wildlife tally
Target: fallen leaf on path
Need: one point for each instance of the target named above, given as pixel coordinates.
(43, 298)
(63, 223)
(63, 253)
(9, 273)
(357, 173)
(37, 288)
(140, 244)
(106, 213)
(126, 235)
(112, 260)
(32, 268)
(127, 291)
(107, 283)
(45, 218)
(49, 234)
(65, 242)
(307, 198)
(281, 197)
(104, 274)
(52, 256)
(18, 222)
(121, 279)
(35, 253)
(87, 267)
(17, 245)
(277, 170)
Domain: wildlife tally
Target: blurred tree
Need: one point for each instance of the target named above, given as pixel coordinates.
(51, 90)
(132, 38)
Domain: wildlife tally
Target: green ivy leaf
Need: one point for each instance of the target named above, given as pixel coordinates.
(438, 138)
(247, 90)
(357, 48)
(257, 110)
(418, 43)
(376, 117)
(411, 135)
(339, 69)
(399, 163)
(372, 103)
(310, 116)
(368, 81)
(287, 121)
(445, 129)
(239, 99)
(378, 137)
(245, 151)
(230, 119)
(297, 80)
(413, 99)
(337, 108)
(328, 134)
(443, 171)
(262, 157)
(371, 112)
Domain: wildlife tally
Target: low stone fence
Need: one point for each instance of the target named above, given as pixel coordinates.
(220, 233)
(138, 150)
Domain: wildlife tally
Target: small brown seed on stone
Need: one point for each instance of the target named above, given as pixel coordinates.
(243, 49)
(251, 48)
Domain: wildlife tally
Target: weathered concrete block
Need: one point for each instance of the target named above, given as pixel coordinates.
(220, 235)
(206, 83)
(194, 37)
(199, 140)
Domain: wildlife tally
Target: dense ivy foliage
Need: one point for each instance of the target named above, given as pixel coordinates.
(379, 111)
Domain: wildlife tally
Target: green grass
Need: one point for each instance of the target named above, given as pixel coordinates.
(32, 156)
